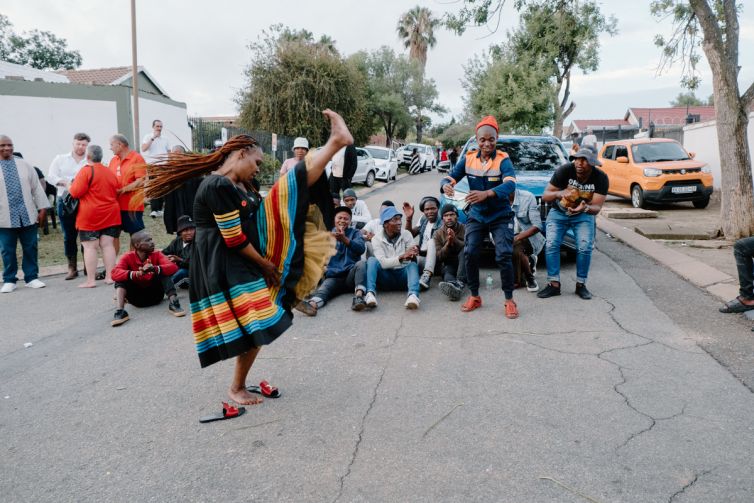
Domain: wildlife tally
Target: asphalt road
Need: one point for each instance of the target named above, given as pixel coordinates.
(612, 400)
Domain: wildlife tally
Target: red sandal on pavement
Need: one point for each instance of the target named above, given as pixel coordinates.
(473, 302)
(264, 389)
(511, 310)
(229, 412)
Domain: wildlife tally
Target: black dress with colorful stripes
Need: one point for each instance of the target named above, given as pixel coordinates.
(232, 307)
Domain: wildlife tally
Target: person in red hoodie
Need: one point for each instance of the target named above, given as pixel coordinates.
(142, 278)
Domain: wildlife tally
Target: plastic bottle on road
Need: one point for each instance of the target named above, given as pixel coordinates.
(489, 281)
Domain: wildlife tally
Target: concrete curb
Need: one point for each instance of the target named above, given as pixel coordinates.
(715, 282)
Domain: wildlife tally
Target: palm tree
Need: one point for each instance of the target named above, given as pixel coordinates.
(416, 28)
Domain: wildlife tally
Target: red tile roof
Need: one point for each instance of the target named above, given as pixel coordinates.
(584, 124)
(671, 116)
(98, 76)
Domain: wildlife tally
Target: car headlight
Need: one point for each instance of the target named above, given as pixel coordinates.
(652, 172)
(706, 169)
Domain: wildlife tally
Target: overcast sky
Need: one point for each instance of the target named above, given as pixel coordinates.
(197, 50)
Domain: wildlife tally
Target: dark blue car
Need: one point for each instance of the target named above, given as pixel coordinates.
(534, 159)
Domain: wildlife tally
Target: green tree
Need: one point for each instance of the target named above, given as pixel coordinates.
(422, 99)
(556, 35)
(292, 78)
(456, 135)
(518, 93)
(39, 49)
(416, 29)
(712, 25)
(686, 99)
(387, 76)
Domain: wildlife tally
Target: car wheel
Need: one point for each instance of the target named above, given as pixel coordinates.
(370, 179)
(637, 197)
(701, 203)
(424, 167)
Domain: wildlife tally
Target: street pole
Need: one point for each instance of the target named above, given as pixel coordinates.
(134, 76)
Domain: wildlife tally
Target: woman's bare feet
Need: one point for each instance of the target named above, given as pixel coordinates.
(339, 133)
(109, 281)
(87, 285)
(243, 397)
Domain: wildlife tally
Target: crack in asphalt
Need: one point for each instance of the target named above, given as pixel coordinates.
(360, 437)
(688, 485)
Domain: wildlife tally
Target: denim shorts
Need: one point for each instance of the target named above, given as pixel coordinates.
(113, 232)
(132, 221)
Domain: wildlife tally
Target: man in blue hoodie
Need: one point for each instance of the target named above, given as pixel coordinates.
(346, 271)
(491, 182)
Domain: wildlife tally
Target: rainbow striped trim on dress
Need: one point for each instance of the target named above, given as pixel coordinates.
(230, 228)
(217, 321)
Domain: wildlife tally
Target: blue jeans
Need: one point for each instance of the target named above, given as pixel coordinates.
(9, 238)
(179, 275)
(557, 225)
(68, 223)
(392, 279)
(502, 235)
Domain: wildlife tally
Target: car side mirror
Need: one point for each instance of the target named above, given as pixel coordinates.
(622, 159)
(692, 155)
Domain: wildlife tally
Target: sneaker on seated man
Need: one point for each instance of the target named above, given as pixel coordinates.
(346, 272)
(422, 233)
(179, 250)
(528, 240)
(449, 242)
(394, 265)
(142, 278)
(743, 252)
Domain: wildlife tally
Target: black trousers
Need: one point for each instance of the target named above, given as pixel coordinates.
(150, 295)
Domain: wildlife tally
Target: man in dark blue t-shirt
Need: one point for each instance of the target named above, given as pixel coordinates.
(577, 190)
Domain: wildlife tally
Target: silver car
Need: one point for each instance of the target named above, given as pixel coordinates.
(385, 160)
(366, 170)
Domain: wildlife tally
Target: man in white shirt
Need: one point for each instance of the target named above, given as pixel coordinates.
(62, 171)
(153, 148)
(394, 265)
(359, 210)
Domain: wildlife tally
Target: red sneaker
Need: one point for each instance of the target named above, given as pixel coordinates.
(511, 310)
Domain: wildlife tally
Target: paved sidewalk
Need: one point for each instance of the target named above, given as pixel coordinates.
(685, 242)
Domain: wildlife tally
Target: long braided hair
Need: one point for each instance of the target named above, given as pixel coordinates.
(172, 171)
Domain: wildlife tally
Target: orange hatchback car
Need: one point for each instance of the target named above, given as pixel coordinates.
(656, 170)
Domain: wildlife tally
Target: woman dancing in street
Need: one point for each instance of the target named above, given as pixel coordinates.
(253, 259)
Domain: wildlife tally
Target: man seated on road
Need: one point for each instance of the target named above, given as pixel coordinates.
(393, 266)
(422, 233)
(359, 211)
(142, 278)
(372, 227)
(449, 241)
(528, 240)
(743, 251)
(179, 250)
(346, 272)
(577, 190)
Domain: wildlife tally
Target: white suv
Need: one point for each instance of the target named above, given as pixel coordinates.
(428, 161)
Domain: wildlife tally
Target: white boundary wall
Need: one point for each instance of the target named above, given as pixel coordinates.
(42, 128)
(701, 138)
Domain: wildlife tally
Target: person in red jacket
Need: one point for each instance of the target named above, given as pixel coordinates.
(142, 278)
(98, 217)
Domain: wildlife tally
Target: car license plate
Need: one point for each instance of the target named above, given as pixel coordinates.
(683, 190)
